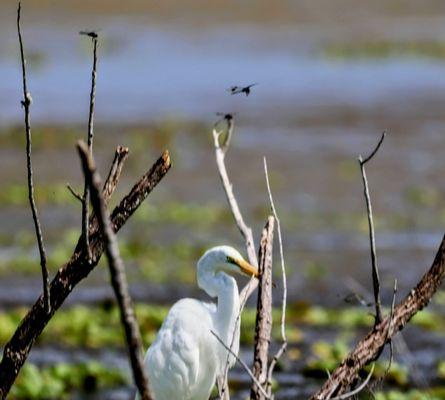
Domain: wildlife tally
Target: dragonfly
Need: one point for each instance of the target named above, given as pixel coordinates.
(241, 89)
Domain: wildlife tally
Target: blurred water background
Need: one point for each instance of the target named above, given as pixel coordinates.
(332, 75)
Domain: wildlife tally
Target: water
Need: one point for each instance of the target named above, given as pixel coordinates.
(311, 115)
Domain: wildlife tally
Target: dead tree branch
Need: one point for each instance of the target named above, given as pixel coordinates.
(263, 324)
(243, 364)
(69, 275)
(371, 346)
(117, 272)
(220, 152)
(358, 389)
(26, 103)
(283, 346)
(86, 190)
(120, 156)
(375, 269)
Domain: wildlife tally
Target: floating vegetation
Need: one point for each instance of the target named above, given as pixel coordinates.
(98, 326)
(59, 380)
(48, 194)
(325, 357)
(429, 394)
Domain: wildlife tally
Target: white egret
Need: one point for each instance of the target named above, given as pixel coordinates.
(186, 358)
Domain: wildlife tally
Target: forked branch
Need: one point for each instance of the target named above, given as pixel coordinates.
(17, 349)
(371, 346)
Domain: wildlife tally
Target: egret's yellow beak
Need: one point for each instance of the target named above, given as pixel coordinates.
(245, 267)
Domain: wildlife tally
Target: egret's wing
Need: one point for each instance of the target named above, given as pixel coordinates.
(175, 359)
(186, 360)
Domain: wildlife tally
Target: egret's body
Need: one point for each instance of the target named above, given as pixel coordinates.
(186, 358)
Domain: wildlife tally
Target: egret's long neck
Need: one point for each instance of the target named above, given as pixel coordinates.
(218, 284)
(228, 307)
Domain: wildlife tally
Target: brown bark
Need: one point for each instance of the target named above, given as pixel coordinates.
(69, 275)
(263, 325)
(369, 348)
(117, 273)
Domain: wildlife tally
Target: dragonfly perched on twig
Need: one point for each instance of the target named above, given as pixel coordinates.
(92, 34)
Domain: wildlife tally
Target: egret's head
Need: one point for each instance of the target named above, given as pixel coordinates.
(225, 259)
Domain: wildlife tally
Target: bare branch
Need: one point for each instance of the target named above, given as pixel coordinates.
(283, 346)
(228, 189)
(263, 325)
(117, 272)
(243, 364)
(371, 346)
(357, 390)
(16, 351)
(376, 149)
(86, 192)
(26, 103)
(375, 269)
(220, 152)
(246, 232)
(74, 193)
(120, 156)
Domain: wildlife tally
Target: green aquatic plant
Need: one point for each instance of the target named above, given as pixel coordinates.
(430, 394)
(59, 380)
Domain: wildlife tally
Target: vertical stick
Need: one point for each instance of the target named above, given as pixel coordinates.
(86, 192)
(283, 346)
(117, 272)
(375, 269)
(263, 325)
(26, 104)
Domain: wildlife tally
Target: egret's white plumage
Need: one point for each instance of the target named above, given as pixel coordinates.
(186, 358)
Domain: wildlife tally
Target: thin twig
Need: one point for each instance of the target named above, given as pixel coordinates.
(220, 153)
(375, 269)
(390, 326)
(358, 389)
(263, 323)
(228, 189)
(86, 192)
(26, 103)
(16, 350)
(246, 232)
(283, 346)
(74, 193)
(117, 272)
(224, 389)
(114, 173)
(242, 363)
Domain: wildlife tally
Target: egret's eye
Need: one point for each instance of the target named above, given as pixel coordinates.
(231, 260)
